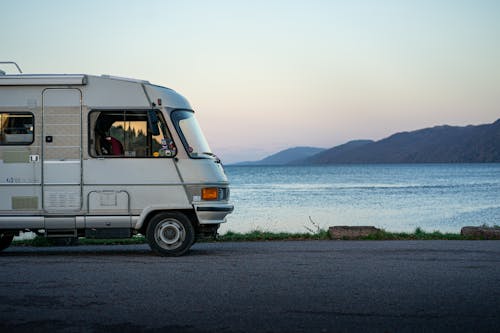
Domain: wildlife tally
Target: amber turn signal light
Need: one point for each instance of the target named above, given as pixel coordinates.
(209, 193)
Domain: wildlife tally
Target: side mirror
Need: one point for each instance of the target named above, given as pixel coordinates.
(153, 123)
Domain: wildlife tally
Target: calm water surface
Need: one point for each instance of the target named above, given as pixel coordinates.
(441, 197)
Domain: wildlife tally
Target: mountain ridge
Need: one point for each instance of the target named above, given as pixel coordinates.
(437, 144)
(285, 156)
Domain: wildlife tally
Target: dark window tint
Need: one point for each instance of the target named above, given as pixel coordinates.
(129, 134)
(16, 128)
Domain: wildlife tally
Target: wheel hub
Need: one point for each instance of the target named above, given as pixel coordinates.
(171, 233)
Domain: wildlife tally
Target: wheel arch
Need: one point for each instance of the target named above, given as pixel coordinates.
(148, 214)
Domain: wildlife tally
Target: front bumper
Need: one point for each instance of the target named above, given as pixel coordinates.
(212, 213)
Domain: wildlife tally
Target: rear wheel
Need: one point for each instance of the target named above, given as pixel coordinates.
(170, 234)
(5, 240)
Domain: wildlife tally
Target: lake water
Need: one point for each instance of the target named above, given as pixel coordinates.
(442, 197)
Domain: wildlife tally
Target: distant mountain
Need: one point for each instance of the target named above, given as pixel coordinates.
(286, 156)
(440, 144)
(326, 155)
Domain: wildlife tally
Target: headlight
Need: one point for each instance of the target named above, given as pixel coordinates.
(213, 193)
(210, 193)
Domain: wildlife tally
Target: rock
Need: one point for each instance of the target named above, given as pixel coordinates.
(346, 232)
(481, 232)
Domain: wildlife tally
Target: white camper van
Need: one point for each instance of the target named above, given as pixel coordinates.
(105, 157)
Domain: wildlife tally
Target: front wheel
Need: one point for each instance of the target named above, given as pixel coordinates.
(170, 234)
(5, 240)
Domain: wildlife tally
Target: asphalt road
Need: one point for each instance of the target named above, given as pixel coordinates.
(309, 286)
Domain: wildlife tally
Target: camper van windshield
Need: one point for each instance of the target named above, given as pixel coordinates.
(192, 137)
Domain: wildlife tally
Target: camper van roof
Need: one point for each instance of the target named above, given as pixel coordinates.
(42, 79)
(55, 79)
(121, 78)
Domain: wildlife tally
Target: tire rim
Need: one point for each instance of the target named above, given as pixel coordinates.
(170, 234)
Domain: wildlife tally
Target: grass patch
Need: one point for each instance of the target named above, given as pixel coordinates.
(258, 235)
(418, 234)
(37, 241)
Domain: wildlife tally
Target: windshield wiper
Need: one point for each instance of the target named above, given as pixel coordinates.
(217, 159)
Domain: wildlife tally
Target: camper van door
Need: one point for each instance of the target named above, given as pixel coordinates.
(62, 150)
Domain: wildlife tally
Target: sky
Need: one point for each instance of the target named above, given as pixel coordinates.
(266, 75)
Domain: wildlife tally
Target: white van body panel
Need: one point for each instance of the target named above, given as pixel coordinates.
(103, 93)
(169, 97)
(55, 183)
(203, 170)
(130, 172)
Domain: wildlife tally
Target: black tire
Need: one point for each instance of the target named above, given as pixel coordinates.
(170, 234)
(5, 240)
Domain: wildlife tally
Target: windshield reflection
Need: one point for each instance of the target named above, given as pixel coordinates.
(191, 134)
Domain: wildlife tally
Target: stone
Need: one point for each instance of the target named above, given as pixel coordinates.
(355, 232)
(481, 232)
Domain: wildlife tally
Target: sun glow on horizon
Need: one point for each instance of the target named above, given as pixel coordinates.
(267, 75)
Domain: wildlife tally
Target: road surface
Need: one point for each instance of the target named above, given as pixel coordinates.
(296, 286)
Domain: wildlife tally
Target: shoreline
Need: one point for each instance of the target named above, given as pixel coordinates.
(258, 235)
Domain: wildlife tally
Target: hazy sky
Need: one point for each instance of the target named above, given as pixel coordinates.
(267, 75)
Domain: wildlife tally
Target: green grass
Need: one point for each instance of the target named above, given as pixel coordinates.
(418, 234)
(259, 235)
(37, 241)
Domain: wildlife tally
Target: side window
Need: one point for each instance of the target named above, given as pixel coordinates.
(16, 128)
(129, 134)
